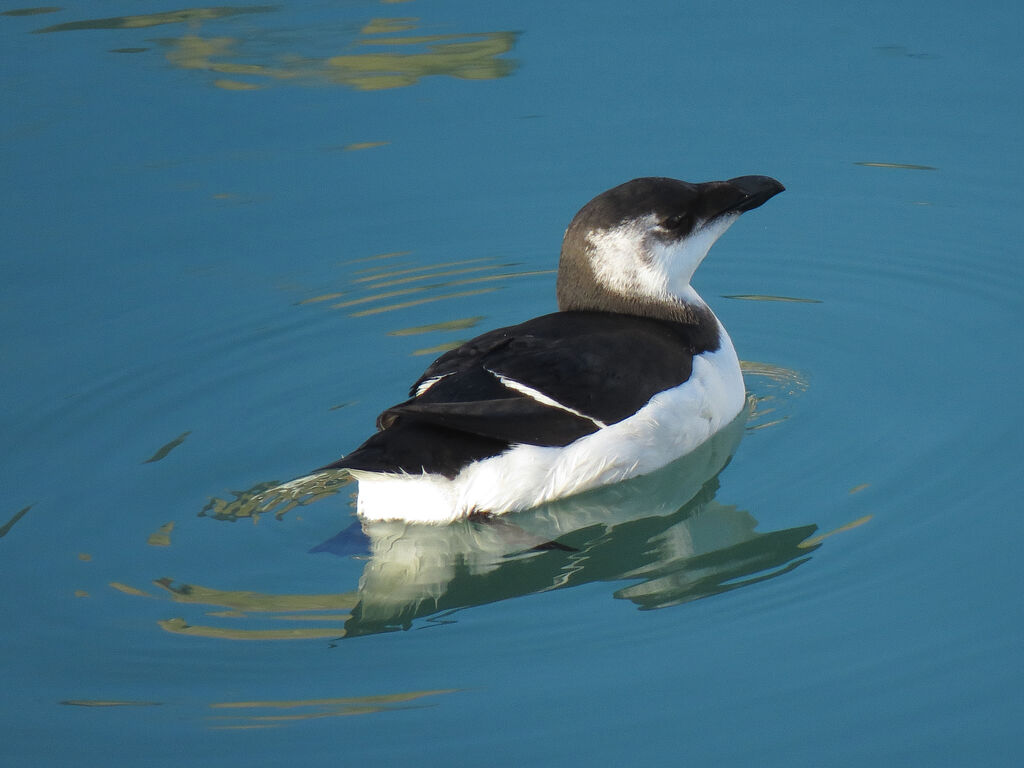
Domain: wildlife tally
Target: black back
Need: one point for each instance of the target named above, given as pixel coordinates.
(604, 366)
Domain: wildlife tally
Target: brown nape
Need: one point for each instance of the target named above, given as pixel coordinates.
(579, 290)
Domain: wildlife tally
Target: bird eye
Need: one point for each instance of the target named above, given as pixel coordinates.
(676, 222)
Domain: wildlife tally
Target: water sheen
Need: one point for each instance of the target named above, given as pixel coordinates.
(234, 234)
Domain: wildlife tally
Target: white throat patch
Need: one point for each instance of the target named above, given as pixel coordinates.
(631, 261)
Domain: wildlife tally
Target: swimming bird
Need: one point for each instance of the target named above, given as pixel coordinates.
(632, 372)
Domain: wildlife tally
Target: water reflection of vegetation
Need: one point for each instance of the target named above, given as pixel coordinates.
(178, 626)
(397, 59)
(764, 297)
(6, 527)
(276, 498)
(31, 11)
(162, 536)
(187, 15)
(274, 713)
(900, 166)
(772, 389)
(372, 290)
(166, 449)
(271, 714)
(458, 324)
(108, 703)
(240, 604)
(245, 601)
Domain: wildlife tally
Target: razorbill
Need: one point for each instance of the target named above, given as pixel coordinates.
(633, 371)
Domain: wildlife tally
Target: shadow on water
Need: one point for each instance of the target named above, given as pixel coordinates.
(660, 540)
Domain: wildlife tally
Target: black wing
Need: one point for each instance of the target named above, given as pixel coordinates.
(548, 382)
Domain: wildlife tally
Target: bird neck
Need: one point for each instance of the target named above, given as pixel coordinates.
(580, 289)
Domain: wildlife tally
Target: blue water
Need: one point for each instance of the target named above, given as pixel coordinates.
(231, 237)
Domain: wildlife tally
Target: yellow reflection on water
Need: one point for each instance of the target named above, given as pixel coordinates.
(310, 612)
(179, 626)
(387, 56)
(430, 268)
(417, 302)
(187, 15)
(432, 276)
(903, 166)
(162, 536)
(388, 26)
(108, 703)
(459, 324)
(424, 284)
(379, 257)
(771, 388)
(789, 377)
(438, 348)
(765, 297)
(277, 498)
(470, 57)
(379, 296)
(128, 590)
(324, 297)
(816, 540)
(236, 85)
(356, 146)
(504, 276)
(272, 713)
(281, 712)
(254, 602)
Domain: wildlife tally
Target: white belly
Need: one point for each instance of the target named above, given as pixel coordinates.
(671, 425)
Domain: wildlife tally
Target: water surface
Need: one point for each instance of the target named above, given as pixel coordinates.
(235, 234)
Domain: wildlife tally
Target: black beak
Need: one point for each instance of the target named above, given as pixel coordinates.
(744, 193)
(753, 191)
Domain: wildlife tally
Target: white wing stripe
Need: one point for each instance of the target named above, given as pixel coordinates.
(428, 384)
(540, 397)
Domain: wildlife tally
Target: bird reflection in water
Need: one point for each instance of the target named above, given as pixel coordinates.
(663, 533)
